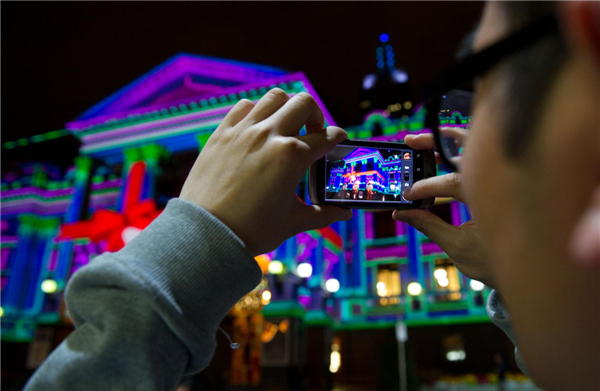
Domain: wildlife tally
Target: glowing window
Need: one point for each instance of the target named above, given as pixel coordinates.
(446, 278)
(388, 280)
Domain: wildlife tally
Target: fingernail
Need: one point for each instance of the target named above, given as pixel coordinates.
(407, 191)
(340, 136)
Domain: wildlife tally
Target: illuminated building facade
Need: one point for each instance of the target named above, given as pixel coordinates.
(391, 271)
(364, 273)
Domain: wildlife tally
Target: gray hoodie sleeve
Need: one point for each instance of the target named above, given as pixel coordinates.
(501, 318)
(148, 314)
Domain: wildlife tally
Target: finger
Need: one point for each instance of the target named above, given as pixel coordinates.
(420, 141)
(438, 158)
(321, 142)
(237, 113)
(440, 232)
(455, 132)
(301, 110)
(448, 185)
(320, 216)
(268, 104)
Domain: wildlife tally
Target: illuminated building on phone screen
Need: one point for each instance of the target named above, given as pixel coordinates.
(137, 146)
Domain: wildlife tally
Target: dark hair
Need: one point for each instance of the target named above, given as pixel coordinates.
(529, 75)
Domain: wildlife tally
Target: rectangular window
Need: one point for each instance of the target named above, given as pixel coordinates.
(447, 279)
(388, 280)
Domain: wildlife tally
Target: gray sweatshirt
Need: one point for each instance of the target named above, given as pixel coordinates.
(501, 318)
(148, 314)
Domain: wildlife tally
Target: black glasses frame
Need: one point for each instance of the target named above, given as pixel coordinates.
(476, 65)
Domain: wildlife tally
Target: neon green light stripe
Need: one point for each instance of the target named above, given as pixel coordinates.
(114, 190)
(364, 325)
(331, 247)
(36, 139)
(391, 310)
(386, 241)
(156, 122)
(283, 308)
(34, 200)
(37, 198)
(450, 306)
(132, 140)
(377, 261)
(33, 195)
(159, 114)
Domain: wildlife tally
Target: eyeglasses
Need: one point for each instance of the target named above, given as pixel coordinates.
(450, 96)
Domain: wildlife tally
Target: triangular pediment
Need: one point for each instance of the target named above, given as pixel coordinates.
(182, 76)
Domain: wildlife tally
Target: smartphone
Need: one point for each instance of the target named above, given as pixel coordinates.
(370, 175)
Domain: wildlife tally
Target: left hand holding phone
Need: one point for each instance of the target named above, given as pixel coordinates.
(463, 244)
(248, 172)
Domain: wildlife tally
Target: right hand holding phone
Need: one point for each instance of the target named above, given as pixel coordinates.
(463, 244)
(248, 172)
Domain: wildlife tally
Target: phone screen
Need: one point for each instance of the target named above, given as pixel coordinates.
(360, 174)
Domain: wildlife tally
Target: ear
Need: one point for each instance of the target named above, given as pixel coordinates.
(585, 243)
(581, 24)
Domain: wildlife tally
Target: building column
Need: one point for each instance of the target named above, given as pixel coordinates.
(77, 211)
(140, 168)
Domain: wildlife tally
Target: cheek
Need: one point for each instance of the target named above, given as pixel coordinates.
(478, 165)
(488, 187)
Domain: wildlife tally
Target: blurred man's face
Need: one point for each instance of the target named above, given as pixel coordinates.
(527, 208)
(488, 176)
(532, 203)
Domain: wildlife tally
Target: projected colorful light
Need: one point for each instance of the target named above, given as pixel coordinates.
(54, 222)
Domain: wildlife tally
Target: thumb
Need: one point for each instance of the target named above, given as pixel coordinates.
(320, 216)
(436, 229)
(323, 141)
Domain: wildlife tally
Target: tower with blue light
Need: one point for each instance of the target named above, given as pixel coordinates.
(386, 63)
(387, 89)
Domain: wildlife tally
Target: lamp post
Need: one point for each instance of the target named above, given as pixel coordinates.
(402, 337)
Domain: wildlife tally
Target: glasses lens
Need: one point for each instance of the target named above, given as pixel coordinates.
(455, 123)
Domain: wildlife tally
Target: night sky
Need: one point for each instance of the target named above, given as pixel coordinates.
(61, 58)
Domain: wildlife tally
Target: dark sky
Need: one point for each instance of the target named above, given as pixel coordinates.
(61, 58)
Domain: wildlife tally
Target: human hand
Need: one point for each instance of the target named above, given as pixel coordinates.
(248, 172)
(463, 244)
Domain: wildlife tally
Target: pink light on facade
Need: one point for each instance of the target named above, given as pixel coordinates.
(369, 234)
(4, 262)
(386, 252)
(53, 262)
(431, 248)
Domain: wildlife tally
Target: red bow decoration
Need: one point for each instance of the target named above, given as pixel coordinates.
(109, 225)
